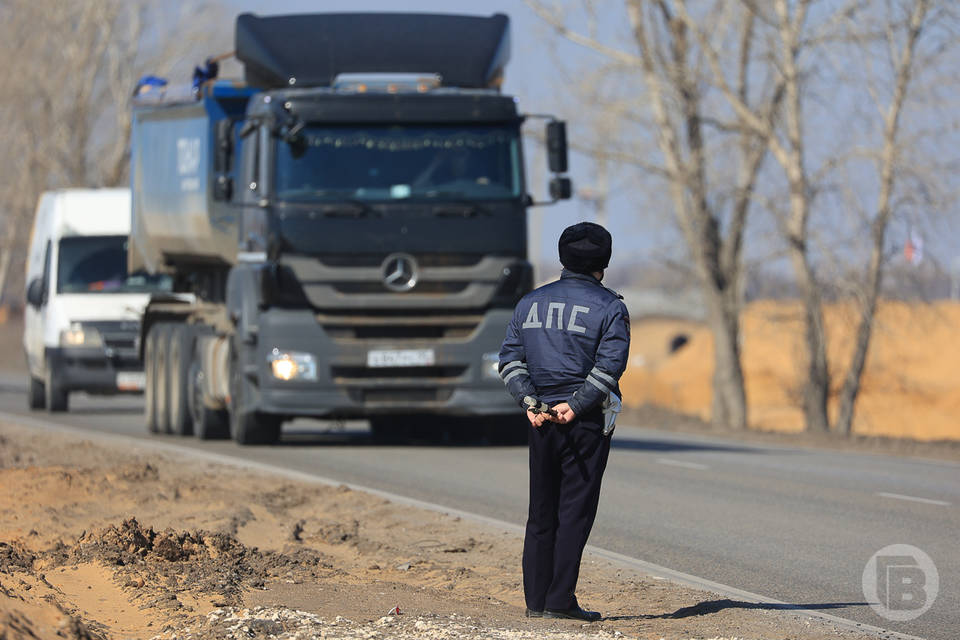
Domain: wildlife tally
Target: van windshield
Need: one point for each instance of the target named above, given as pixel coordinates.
(98, 264)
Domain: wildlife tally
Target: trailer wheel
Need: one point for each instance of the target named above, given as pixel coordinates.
(161, 378)
(247, 425)
(208, 424)
(38, 393)
(55, 397)
(182, 338)
(150, 382)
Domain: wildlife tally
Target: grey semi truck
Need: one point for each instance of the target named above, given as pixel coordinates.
(345, 227)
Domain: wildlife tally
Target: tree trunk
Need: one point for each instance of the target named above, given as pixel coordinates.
(816, 388)
(729, 404)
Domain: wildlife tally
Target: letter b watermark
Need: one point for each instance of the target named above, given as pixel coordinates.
(900, 582)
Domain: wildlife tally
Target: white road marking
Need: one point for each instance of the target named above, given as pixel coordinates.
(898, 496)
(649, 568)
(682, 463)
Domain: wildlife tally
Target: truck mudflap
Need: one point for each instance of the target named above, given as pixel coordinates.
(391, 367)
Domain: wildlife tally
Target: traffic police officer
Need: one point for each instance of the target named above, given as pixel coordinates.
(565, 350)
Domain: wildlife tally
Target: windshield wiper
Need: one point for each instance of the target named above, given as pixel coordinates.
(454, 205)
(348, 208)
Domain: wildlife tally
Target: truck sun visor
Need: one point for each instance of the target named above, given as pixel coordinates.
(312, 49)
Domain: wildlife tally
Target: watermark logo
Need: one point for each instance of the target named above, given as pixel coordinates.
(900, 582)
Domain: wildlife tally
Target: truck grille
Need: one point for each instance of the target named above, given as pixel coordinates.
(398, 396)
(373, 326)
(423, 259)
(393, 375)
(356, 282)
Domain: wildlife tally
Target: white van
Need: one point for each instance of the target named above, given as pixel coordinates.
(82, 319)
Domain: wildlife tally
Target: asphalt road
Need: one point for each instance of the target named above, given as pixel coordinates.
(792, 524)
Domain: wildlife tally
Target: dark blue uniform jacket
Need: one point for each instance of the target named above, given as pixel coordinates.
(568, 342)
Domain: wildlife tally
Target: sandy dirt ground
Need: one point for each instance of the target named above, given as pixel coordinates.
(910, 389)
(105, 540)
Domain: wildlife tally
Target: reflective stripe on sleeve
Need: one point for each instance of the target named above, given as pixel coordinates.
(513, 374)
(605, 377)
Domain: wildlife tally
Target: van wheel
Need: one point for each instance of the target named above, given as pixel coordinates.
(38, 398)
(161, 380)
(182, 338)
(208, 424)
(247, 425)
(150, 384)
(55, 397)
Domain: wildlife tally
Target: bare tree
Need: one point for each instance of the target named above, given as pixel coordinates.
(690, 138)
(788, 29)
(902, 48)
(65, 111)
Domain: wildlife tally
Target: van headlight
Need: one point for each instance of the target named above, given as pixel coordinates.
(79, 336)
(491, 365)
(292, 365)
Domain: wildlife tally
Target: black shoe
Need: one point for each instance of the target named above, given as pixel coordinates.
(573, 613)
(533, 613)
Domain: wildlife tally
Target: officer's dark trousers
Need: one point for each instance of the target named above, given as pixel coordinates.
(566, 466)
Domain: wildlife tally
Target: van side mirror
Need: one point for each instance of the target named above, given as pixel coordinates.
(561, 188)
(557, 146)
(36, 293)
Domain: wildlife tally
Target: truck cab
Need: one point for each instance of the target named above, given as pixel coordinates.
(352, 220)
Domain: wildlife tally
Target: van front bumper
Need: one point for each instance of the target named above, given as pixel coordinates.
(90, 369)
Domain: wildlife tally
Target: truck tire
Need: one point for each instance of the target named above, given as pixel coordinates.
(208, 424)
(182, 338)
(55, 397)
(253, 427)
(161, 379)
(38, 398)
(247, 425)
(150, 383)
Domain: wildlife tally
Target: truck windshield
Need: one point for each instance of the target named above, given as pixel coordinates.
(98, 264)
(383, 162)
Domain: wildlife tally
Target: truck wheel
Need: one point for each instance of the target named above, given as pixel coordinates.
(208, 424)
(150, 383)
(38, 398)
(55, 397)
(248, 426)
(161, 359)
(182, 338)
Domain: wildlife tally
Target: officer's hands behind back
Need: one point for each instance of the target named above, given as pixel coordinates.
(564, 413)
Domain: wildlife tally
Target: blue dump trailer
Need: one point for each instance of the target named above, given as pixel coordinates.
(345, 228)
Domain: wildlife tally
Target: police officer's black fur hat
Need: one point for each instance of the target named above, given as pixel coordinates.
(585, 247)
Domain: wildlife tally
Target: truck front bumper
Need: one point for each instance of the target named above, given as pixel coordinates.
(461, 381)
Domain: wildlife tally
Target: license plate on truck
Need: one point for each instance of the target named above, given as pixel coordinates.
(400, 358)
(131, 380)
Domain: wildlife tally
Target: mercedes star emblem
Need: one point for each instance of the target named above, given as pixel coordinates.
(399, 272)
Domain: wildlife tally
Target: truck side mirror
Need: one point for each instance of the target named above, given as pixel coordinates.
(223, 187)
(35, 293)
(222, 159)
(561, 188)
(557, 146)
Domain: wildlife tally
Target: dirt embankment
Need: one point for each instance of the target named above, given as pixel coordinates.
(910, 388)
(109, 541)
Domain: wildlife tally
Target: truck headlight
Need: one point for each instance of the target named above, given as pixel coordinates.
(292, 365)
(491, 365)
(78, 336)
